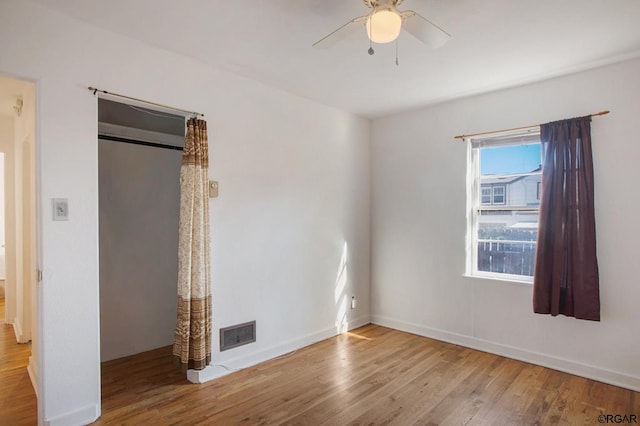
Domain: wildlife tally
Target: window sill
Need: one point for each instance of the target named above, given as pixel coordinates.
(509, 279)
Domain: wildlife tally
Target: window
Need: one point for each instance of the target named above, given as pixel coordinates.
(492, 194)
(498, 194)
(504, 178)
(486, 195)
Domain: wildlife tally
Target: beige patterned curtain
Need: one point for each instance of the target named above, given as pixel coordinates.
(192, 344)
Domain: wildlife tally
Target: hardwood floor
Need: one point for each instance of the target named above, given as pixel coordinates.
(373, 375)
(17, 397)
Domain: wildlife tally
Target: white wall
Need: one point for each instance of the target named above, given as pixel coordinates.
(24, 210)
(418, 222)
(139, 211)
(294, 186)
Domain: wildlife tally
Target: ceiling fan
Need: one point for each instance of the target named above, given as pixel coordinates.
(383, 25)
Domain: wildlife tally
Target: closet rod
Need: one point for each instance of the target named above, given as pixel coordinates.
(139, 142)
(95, 90)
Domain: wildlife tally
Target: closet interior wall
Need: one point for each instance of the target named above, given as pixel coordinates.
(139, 196)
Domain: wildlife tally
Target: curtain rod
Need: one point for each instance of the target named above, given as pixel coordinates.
(517, 128)
(94, 90)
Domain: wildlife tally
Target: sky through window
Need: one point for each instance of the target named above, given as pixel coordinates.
(510, 159)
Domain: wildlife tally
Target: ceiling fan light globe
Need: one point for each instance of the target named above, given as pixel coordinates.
(384, 26)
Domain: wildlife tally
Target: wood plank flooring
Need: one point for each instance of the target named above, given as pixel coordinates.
(17, 397)
(373, 375)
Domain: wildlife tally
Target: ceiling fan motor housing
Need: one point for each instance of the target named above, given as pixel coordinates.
(381, 3)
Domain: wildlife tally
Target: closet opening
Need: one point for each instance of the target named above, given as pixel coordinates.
(139, 158)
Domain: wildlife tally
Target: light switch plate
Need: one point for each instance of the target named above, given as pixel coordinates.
(213, 189)
(60, 209)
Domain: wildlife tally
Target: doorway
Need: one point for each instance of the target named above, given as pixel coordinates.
(139, 158)
(18, 251)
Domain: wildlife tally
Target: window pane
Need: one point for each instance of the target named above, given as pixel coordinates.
(508, 160)
(498, 166)
(507, 242)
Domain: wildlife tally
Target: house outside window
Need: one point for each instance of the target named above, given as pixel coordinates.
(504, 175)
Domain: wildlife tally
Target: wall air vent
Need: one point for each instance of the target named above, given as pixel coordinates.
(237, 335)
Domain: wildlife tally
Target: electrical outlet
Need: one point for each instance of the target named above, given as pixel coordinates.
(353, 302)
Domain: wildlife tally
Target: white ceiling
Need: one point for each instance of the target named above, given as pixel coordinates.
(495, 44)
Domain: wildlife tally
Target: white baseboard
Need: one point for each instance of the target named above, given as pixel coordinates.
(83, 416)
(215, 371)
(21, 336)
(568, 366)
(17, 330)
(359, 322)
(33, 374)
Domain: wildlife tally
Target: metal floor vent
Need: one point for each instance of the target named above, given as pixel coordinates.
(237, 335)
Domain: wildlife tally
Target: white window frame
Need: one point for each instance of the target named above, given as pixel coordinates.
(474, 199)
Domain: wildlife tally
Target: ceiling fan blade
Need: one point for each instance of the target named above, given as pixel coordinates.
(341, 33)
(423, 29)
